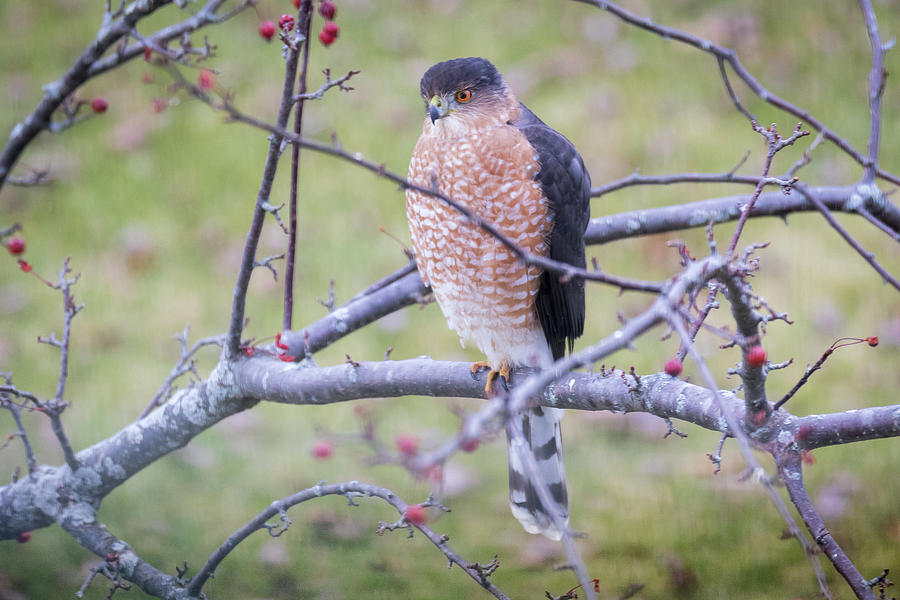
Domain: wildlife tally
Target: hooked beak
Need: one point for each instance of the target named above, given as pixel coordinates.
(437, 108)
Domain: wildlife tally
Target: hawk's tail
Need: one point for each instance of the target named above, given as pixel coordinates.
(541, 439)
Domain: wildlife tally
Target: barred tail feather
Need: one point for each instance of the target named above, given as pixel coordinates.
(541, 439)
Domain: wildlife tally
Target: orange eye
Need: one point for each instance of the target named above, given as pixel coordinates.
(463, 96)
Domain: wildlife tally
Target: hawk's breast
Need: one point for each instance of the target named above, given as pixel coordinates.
(486, 294)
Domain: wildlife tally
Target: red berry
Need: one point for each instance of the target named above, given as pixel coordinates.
(331, 28)
(296, 3)
(24, 537)
(24, 266)
(99, 105)
(415, 514)
(16, 245)
(407, 444)
(872, 340)
(159, 105)
(469, 445)
(286, 22)
(673, 367)
(206, 79)
(267, 29)
(322, 450)
(148, 52)
(326, 39)
(327, 9)
(756, 357)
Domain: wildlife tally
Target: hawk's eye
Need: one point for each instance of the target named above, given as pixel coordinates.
(463, 96)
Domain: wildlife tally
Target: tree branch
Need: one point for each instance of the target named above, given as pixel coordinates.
(603, 230)
(791, 474)
(303, 24)
(877, 77)
(248, 259)
(730, 56)
(350, 490)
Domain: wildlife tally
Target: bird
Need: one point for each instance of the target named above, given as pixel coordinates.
(487, 151)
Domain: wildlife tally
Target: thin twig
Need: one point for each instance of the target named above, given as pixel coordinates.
(730, 56)
(248, 258)
(329, 83)
(94, 61)
(791, 474)
(818, 365)
(867, 256)
(303, 25)
(184, 365)
(349, 490)
(16, 410)
(877, 77)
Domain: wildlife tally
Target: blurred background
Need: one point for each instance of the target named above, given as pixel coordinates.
(152, 201)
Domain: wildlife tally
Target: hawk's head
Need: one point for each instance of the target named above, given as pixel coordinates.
(464, 93)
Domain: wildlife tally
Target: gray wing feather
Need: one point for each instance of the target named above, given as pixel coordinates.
(567, 185)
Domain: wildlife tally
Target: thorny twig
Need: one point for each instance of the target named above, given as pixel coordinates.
(184, 365)
(329, 83)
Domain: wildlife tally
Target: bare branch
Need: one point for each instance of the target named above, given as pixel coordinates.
(248, 259)
(329, 83)
(602, 230)
(729, 56)
(305, 18)
(56, 406)
(867, 256)
(16, 411)
(791, 474)
(818, 365)
(636, 179)
(184, 365)
(91, 63)
(350, 490)
(775, 142)
(877, 78)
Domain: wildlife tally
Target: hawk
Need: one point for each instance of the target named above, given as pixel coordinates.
(484, 149)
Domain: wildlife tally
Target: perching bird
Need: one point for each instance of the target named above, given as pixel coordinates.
(484, 149)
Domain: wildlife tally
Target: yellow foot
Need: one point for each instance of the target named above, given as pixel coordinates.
(492, 375)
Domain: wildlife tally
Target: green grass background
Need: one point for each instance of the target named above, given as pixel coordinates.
(153, 209)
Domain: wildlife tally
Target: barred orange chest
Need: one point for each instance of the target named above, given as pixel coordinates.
(485, 292)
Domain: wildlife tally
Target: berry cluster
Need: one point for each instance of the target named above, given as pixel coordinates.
(330, 29)
(327, 36)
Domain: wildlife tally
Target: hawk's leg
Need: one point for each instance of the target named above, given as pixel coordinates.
(492, 375)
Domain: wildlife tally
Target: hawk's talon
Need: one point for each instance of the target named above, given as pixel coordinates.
(477, 366)
(503, 373)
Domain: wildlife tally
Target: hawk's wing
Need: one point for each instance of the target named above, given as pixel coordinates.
(567, 186)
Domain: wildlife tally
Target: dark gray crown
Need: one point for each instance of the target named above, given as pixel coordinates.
(460, 73)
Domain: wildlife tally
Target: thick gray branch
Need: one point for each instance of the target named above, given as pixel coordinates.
(41, 498)
(720, 210)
